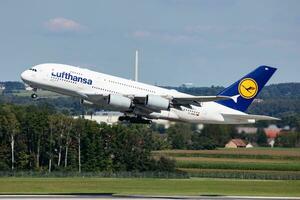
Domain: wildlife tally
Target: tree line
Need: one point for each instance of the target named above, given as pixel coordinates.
(39, 138)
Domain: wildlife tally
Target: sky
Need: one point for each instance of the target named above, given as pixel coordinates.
(204, 42)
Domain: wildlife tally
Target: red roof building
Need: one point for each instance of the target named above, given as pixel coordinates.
(272, 131)
(236, 143)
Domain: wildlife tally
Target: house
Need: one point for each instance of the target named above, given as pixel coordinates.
(236, 143)
(272, 131)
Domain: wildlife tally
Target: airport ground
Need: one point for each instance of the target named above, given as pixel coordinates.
(148, 186)
(243, 171)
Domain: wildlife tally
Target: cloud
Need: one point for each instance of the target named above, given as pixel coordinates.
(61, 24)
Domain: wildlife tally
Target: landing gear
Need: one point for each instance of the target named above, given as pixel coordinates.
(34, 96)
(135, 120)
(124, 118)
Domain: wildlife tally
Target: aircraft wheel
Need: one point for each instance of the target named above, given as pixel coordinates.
(34, 96)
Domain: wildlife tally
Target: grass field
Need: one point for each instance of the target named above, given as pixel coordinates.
(274, 163)
(146, 186)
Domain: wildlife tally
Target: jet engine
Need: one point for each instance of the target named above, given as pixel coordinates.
(157, 102)
(119, 101)
(85, 102)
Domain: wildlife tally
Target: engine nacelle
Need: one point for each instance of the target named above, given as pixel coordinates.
(85, 102)
(119, 101)
(157, 102)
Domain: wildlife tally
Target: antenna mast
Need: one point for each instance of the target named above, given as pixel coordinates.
(136, 66)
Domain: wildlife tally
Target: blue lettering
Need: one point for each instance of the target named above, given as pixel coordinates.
(69, 76)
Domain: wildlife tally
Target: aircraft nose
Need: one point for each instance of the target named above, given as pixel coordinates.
(24, 75)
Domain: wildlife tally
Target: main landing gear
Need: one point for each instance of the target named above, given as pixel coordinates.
(135, 120)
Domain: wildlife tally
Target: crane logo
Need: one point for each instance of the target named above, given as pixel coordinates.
(248, 88)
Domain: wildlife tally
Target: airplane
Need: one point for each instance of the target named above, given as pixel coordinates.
(142, 103)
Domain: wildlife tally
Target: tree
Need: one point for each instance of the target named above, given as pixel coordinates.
(11, 127)
(220, 134)
(52, 120)
(179, 135)
(201, 142)
(262, 139)
(69, 125)
(78, 129)
(290, 139)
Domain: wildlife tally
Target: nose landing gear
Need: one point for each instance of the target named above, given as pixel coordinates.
(34, 96)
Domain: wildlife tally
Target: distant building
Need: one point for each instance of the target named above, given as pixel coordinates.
(272, 131)
(2, 87)
(236, 143)
(249, 145)
(107, 117)
(286, 128)
(165, 123)
(247, 130)
(187, 85)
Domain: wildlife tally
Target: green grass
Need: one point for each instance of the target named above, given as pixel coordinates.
(242, 174)
(288, 166)
(255, 163)
(148, 186)
(254, 153)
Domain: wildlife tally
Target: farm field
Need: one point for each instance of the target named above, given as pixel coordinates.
(148, 186)
(256, 163)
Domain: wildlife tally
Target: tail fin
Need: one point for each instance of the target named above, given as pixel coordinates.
(247, 88)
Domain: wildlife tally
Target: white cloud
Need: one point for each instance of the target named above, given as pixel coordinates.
(61, 24)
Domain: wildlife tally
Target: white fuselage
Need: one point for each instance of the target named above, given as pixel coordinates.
(75, 81)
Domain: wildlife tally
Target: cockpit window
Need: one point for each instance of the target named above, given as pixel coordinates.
(32, 69)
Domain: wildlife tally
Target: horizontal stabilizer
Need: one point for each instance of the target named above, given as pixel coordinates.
(250, 117)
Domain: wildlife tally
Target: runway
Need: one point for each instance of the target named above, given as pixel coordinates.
(137, 197)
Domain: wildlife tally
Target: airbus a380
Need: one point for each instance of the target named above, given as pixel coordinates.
(141, 102)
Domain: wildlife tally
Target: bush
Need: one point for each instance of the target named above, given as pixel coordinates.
(164, 164)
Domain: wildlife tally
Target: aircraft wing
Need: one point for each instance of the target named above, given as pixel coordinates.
(177, 101)
(186, 100)
(250, 117)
